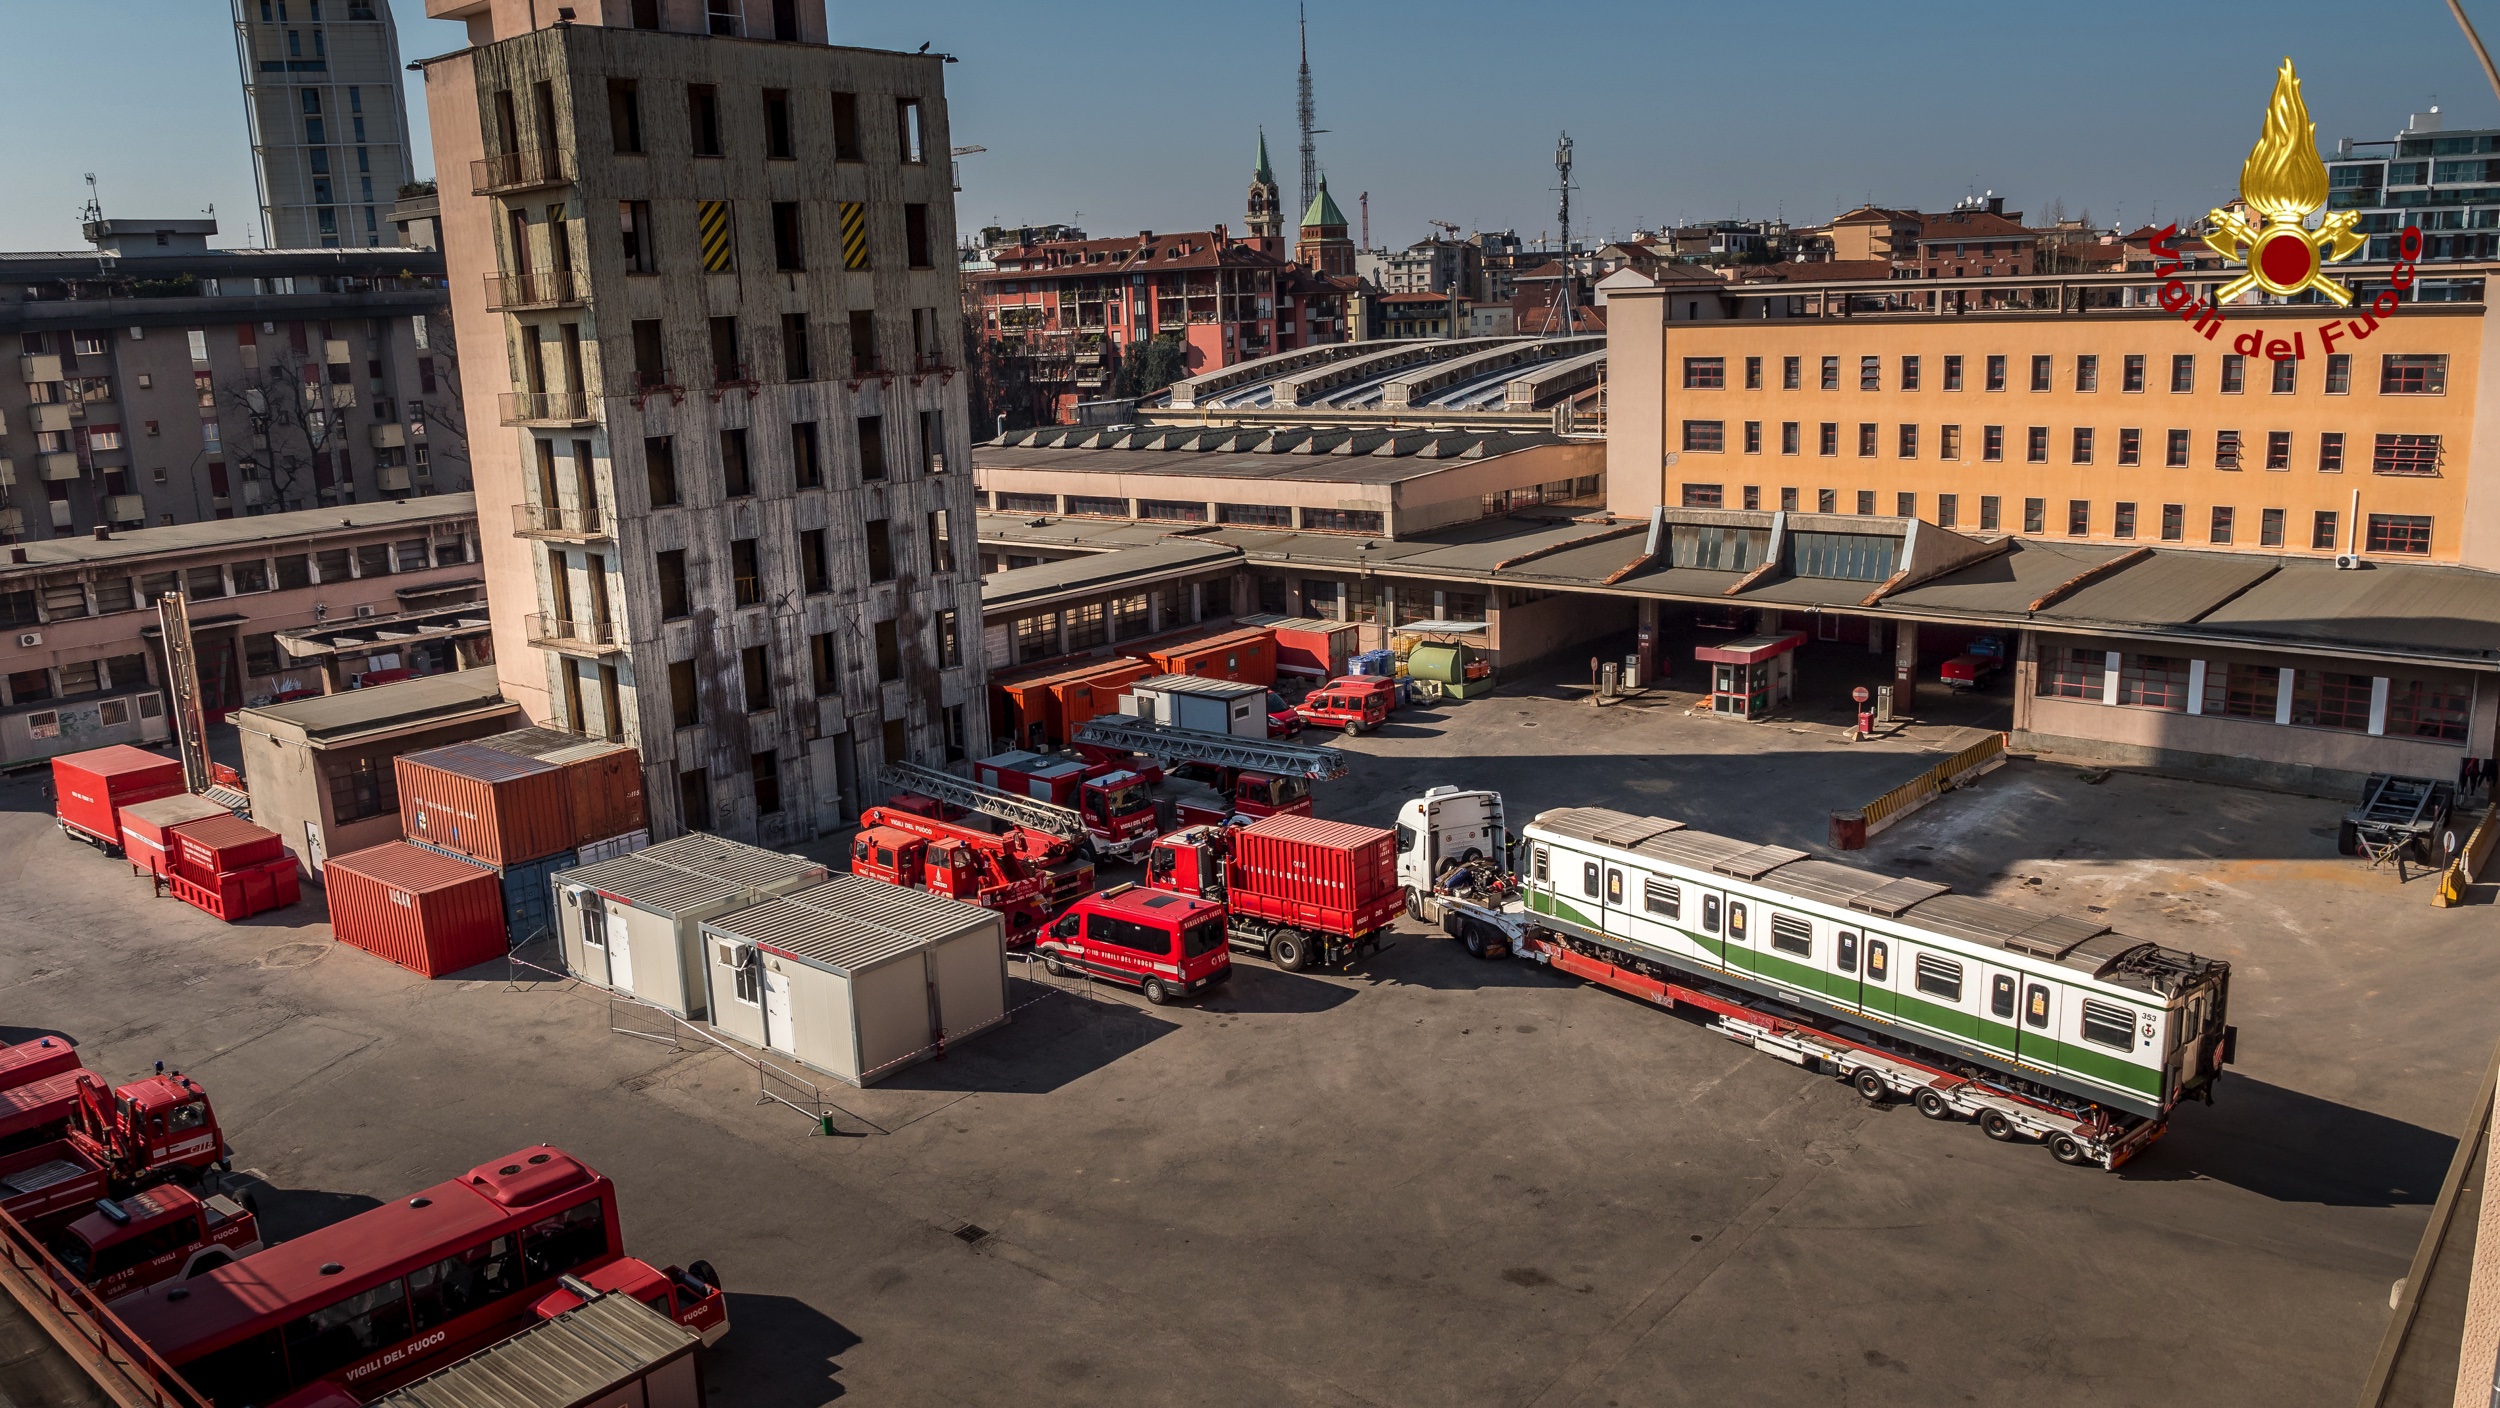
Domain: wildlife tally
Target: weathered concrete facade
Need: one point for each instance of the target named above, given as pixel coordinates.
(731, 522)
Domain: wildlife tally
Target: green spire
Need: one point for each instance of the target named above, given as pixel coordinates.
(1263, 175)
(1323, 209)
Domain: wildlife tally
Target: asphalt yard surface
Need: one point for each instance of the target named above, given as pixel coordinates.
(1435, 1180)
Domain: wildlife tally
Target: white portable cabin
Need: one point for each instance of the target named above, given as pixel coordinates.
(856, 978)
(633, 924)
(1199, 703)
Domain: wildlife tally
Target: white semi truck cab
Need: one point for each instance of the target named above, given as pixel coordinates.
(1454, 862)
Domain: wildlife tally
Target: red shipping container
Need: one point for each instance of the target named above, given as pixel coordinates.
(606, 779)
(1247, 655)
(1092, 694)
(485, 803)
(211, 846)
(147, 829)
(1306, 646)
(89, 789)
(1329, 875)
(428, 913)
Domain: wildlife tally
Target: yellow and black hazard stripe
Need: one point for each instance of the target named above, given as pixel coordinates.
(711, 223)
(854, 234)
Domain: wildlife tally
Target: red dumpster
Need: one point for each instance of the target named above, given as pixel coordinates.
(89, 790)
(213, 845)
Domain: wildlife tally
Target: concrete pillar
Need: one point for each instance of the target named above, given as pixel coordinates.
(1648, 640)
(1904, 667)
(1874, 635)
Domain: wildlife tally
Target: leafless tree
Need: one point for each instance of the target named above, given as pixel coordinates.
(294, 414)
(446, 418)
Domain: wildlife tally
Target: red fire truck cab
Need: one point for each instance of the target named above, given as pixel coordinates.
(988, 876)
(1354, 703)
(161, 1234)
(1252, 794)
(1163, 944)
(151, 1130)
(691, 1296)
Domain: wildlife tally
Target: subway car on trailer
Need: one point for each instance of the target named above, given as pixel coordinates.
(2041, 1026)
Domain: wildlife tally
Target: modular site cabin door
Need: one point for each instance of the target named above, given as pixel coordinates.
(779, 1032)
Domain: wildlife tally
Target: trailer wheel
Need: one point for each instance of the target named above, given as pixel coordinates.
(1288, 951)
(2347, 838)
(702, 1271)
(2068, 1150)
(1995, 1125)
(1871, 1087)
(1474, 938)
(1932, 1105)
(1155, 992)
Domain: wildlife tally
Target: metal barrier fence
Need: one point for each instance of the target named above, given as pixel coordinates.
(1850, 829)
(774, 1084)
(129, 1372)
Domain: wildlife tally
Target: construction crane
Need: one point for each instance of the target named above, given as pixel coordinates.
(1164, 743)
(956, 168)
(1044, 817)
(1446, 226)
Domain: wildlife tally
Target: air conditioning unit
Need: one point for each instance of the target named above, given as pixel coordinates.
(364, 613)
(2346, 562)
(28, 640)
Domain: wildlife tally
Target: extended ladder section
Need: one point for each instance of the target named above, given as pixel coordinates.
(1046, 817)
(1167, 744)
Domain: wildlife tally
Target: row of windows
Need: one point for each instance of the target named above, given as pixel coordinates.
(782, 115)
(755, 667)
(2404, 455)
(2104, 1024)
(2426, 709)
(2400, 374)
(2406, 534)
(67, 601)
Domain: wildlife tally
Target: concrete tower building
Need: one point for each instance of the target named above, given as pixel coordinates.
(726, 509)
(1325, 246)
(1267, 204)
(329, 125)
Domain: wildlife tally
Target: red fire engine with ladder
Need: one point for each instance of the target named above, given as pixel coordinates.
(1253, 777)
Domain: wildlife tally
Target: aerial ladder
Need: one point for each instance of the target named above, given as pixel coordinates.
(1051, 839)
(1166, 744)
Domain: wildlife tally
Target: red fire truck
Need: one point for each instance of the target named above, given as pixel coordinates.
(965, 863)
(157, 1130)
(1293, 888)
(161, 1234)
(1115, 801)
(396, 1292)
(1252, 794)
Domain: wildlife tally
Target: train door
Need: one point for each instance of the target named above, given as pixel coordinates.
(1613, 918)
(1844, 981)
(1737, 922)
(2000, 1010)
(778, 1034)
(1711, 908)
(1879, 974)
(2036, 1043)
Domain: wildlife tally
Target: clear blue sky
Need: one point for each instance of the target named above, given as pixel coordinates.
(1143, 115)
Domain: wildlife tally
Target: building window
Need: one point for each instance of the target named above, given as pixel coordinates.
(1866, 502)
(2226, 449)
(1990, 510)
(703, 118)
(1996, 372)
(2122, 521)
(2036, 445)
(1948, 510)
(2131, 447)
(2035, 516)
(2220, 531)
(366, 787)
(889, 653)
(2131, 372)
(1705, 373)
(846, 145)
(916, 236)
(1992, 442)
(2078, 518)
(1703, 496)
(1708, 436)
(1949, 442)
(1829, 439)
(1788, 437)
(908, 130)
(2270, 528)
(2083, 445)
(1870, 373)
(2242, 691)
(1788, 501)
(2087, 373)
(2331, 452)
(1909, 442)
(2412, 456)
(2183, 373)
(1909, 373)
(2425, 709)
(2286, 377)
(2234, 373)
(789, 250)
(2173, 522)
(2339, 374)
(2154, 681)
(1342, 520)
(1753, 373)
(2073, 672)
(2042, 372)
(1037, 637)
(2409, 534)
(1788, 373)
(675, 603)
(2420, 375)
(1827, 501)
(1831, 373)
(1953, 373)
(880, 551)
(1088, 626)
(745, 572)
(2331, 699)
(1866, 438)
(871, 435)
(1753, 437)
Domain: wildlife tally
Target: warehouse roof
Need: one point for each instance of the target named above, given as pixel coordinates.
(333, 718)
(239, 532)
(1137, 565)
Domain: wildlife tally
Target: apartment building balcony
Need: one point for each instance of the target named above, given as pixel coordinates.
(559, 523)
(517, 171)
(535, 288)
(62, 464)
(545, 408)
(592, 639)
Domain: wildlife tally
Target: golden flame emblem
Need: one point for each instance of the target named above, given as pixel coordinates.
(2283, 182)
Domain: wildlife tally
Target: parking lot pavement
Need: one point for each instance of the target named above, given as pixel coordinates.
(1433, 1180)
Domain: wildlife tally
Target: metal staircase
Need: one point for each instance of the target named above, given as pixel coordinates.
(1045, 817)
(1167, 744)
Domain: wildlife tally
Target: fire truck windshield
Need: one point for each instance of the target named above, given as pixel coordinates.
(1289, 790)
(1127, 797)
(73, 1255)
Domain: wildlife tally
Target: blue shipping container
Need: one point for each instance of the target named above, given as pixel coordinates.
(529, 906)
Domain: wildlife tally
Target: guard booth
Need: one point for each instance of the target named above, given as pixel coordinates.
(1751, 675)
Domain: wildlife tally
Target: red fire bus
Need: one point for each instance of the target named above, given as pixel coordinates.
(394, 1293)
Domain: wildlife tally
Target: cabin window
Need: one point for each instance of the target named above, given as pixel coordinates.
(1847, 951)
(2001, 996)
(340, 1334)
(1792, 935)
(1541, 876)
(574, 1237)
(1878, 961)
(1736, 921)
(1940, 977)
(1661, 898)
(1614, 886)
(2036, 1006)
(1588, 879)
(1710, 913)
(2107, 1025)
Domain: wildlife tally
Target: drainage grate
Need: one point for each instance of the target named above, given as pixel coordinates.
(971, 1232)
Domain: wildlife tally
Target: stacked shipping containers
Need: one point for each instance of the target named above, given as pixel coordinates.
(521, 805)
(230, 868)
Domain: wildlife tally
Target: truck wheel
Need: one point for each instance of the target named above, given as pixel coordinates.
(1156, 993)
(1052, 965)
(1995, 1125)
(2347, 839)
(1289, 952)
(1414, 906)
(1477, 946)
(2068, 1150)
(1871, 1087)
(1354, 727)
(1931, 1104)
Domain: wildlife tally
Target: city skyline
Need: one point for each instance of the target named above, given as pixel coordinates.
(2168, 142)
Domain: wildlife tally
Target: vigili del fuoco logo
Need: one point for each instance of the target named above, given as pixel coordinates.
(2283, 183)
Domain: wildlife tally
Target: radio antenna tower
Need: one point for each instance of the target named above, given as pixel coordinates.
(1306, 114)
(1562, 217)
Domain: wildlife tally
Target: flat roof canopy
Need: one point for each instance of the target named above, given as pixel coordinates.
(1749, 650)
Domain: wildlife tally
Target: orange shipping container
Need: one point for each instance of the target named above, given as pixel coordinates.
(607, 788)
(428, 913)
(1245, 655)
(485, 803)
(1086, 696)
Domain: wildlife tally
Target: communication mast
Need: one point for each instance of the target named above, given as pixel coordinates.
(1562, 216)
(1365, 201)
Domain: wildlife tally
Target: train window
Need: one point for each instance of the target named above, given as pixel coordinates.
(340, 1334)
(1940, 977)
(1848, 952)
(1790, 935)
(1710, 913)
(1736, 922)
(1878, 961)
(2036, 1006)
(2107, 1025)
(1588, 879)
(2001, 996)
(1614, 886)
(1540, 864)
(1660, 898)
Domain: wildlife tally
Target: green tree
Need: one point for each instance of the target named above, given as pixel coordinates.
(1149, 367)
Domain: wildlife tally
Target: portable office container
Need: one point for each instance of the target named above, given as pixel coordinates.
(147, 828)
(1248, 655)
(1200, 704)
(634, 923)
(425, 911)
(1306, 645)
(213, 845)
(485, 803)
(89, 789)
(855, 978)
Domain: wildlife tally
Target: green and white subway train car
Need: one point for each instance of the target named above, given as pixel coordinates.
(2061, 1009)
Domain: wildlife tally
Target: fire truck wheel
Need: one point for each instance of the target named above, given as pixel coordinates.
(1288, 951)
(1414, 906)
(1871, 1087)
(1932, 1105)
(1354, 726)
(2067, 1149)
(1052, 965)
(702, 1271)
(1155, 991)
(1995, 1125)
